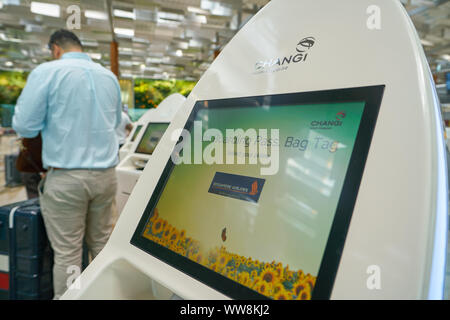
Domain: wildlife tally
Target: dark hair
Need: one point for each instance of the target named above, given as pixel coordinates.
(64, 38)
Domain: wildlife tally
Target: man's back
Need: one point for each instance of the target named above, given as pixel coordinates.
(76, 104)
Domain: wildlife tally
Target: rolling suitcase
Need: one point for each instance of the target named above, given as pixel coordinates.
(26, 258)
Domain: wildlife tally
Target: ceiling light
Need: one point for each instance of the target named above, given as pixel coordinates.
(96, 15)
(88, 43)
(446, 57)
(179, 53)
(426, 42)
(126, 51)
(195, 43)
(200, 19)
(168, 23)
(46, 9)
(183, 45)
(124, 14)
(170, 16)
(124, 63)
(153, 60)
(33, 28)
(197, 10)
(1, 4)
(124, 32)
(6, 38)
(216, 8)
(140, 40)
(11, 2)
(95, 56)
(9, 64)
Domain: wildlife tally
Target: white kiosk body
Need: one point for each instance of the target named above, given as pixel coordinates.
(153, 125)
(340, 209)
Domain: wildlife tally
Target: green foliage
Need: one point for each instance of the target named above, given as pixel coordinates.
(11, 85)
(149, 93)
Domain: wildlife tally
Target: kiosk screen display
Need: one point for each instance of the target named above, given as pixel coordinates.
(136, 132)
(153, 133)
(264, 192)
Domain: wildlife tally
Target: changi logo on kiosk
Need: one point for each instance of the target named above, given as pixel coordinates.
(340, 115)
(281, 64)
(328, 124)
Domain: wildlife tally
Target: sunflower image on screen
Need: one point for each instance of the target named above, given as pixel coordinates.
(153, 133)
(271, 279)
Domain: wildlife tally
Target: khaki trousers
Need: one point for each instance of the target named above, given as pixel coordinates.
(76, 205)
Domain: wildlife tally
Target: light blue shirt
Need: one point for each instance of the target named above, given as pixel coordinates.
(75, 104)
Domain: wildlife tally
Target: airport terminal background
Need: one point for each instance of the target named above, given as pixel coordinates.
(164, 47)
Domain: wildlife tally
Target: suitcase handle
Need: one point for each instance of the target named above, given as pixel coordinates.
(11, 217)
(12, 253)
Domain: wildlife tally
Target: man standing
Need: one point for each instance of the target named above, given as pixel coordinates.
(75, 104)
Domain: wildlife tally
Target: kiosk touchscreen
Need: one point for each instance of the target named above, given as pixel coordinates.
(254, 235)
(290, 171)
(152, 127)
(136, 132)
(149, 140)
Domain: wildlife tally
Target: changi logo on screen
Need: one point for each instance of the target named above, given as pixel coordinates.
(329, 124)
(281, 64)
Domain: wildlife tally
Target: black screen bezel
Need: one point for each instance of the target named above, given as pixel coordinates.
(372, 96)
(136, 132)
(143, 135)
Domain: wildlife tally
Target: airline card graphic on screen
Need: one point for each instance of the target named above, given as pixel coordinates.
(237, 186)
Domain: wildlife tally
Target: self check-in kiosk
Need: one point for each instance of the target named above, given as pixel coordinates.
(168, 108)
(330, 194)
(128, 145)
(148, 132)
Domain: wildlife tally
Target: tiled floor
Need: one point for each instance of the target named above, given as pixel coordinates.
(10, 195)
